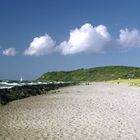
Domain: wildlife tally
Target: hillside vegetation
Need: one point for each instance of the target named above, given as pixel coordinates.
(93, 74)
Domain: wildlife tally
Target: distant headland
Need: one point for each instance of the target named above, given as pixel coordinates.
(105, 73)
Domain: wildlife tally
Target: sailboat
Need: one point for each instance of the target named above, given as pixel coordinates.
(21, 79)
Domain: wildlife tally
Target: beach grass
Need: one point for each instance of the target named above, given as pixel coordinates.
(131, 82)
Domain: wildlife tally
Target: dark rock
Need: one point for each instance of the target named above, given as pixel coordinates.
(19, 92)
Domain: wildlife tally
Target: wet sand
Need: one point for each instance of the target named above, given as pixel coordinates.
(102, 111)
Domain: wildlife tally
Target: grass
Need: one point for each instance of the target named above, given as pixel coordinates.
(131, 82)
(106, 73)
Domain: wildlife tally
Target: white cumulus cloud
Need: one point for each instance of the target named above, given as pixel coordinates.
(129, 39)
(40, 46)
(9, 52)
(85, 39)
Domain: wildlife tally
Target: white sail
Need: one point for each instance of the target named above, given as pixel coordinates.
(21, 79)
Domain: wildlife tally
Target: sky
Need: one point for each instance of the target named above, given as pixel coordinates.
(37, 36)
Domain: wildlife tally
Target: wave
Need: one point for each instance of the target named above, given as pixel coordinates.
(10, 84)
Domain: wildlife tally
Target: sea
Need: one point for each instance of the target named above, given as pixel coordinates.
(12, 83)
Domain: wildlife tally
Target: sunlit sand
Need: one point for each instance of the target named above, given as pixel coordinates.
(83, 112)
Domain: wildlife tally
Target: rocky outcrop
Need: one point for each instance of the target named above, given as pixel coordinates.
(19, 92)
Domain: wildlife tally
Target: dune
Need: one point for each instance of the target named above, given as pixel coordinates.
(82, 112)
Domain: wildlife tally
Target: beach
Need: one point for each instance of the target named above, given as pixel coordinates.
(100, 111)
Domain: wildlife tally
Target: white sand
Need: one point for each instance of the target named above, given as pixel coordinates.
(101, 111)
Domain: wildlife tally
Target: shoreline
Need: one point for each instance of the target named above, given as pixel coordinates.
(19, 92)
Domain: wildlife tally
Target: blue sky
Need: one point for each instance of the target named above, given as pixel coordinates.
(37, 36)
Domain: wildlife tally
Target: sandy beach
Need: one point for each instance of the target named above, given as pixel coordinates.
(101, 111)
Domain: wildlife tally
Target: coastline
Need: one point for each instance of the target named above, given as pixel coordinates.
(19, 92)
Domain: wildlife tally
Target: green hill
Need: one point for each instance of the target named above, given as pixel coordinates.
(93, 74)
